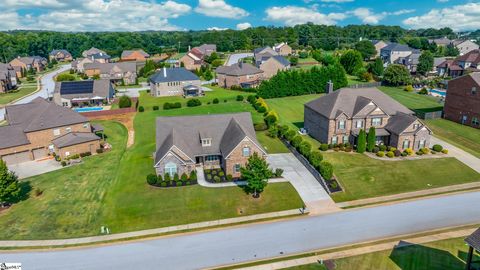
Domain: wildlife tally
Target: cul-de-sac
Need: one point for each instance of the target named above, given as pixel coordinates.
(225, 134)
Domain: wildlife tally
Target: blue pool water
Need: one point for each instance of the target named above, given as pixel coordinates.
(438, 92)
(88, 109)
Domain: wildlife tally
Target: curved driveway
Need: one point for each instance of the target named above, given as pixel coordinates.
(46, 88)
(258, 241)
(234, 58)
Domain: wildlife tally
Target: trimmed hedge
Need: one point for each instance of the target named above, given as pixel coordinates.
(437, 148)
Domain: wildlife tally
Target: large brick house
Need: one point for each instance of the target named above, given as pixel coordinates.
(60, 55)
(212, 141)
(240, 74)
(283, 49)
(174, 82)
(26, 63)
(83, 93)
(192, 60)
(261, 53)
(134, 55)
(41, 127)
(462, 103)
(8, 78)
(339, 116)
(125, 72)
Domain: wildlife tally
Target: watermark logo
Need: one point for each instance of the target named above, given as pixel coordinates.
(10, 266)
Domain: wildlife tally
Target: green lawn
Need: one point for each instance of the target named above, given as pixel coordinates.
(77, 77)
(16, 94)
(446, 254)
(110, 190)
(363, 177)
(412, 100)
(464, 137)
(290, 109)
(271, 145)
(352, 80)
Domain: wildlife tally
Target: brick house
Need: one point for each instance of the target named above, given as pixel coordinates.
(283, 49)
(462, 103)
(213, 141)
(192, 60)
(36, 63)
(240, 74)
(134, 55)
(125, 72)
(461, 65)
(261, 53)
(60, 55)
(83, 93)
(339, 116)
(8, 78)
(39, 128)
(174, 82)
(92, 51)
(272, 65)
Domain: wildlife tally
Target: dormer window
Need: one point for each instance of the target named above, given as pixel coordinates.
(206, 142)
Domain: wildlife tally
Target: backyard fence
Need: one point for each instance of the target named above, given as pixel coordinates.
(429, 115)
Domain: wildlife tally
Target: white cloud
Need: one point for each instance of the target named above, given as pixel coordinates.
(460, 17)
(219, 8)
(214, 28)
(34, 3)
(243, 26)
(104, 15)
(293, 15)
(367, 16)
(10, 20)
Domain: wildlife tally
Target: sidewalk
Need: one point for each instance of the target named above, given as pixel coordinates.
(360, 250)
(146, 233)
(453, 151)
(409, 195)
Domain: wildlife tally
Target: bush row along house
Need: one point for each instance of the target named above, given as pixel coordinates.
(60, 55)
(8, 78)
(461, 65)
(339, 116)
(121, 72)
(23, 64)
(174, 82)
(194, 58)
(463, 46)
(213, 141)
(83, 93)
(40, 127)
(462, 103)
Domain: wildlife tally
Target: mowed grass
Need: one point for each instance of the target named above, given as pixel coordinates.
(6, 98)
(111, 190)
(364, 177)
(464, 137)
(412, 100)
(448, 254)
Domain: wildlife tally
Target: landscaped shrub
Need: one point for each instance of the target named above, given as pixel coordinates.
(323, 147)
(409, 151)
(445, 151)
(376, 149)
(348, 149)
(38, 192)
(99, 150)
(141, 109)
(151, 179)
(193, 176)
(271, 118)
(326, 170)
(167, 177)
(382, 147)
(159, 178)
(282, 130)
(380, 154)
(64, 163)
(155, 108)
(184, 177)
(216, 179)
(240, 98)
(229, 177)
(404, 154)
(390, 154)
(397, 153)
(168, 105)
(290, 135)
(214, 172)
(125, 102)
(304, 148)
(261, 109)
(225, 101)
(260, 127)
(251, 99)
(408, 88)
(163, 184)
(215, 101)
(296, 141)
(437, 148)
(85, 154)
(362, 141)
(419, 153)
(272, 131)
(315, 158)
(221, 173)
(194, 102)
(425, 150)
(278, 172)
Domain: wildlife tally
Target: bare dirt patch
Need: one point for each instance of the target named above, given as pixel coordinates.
(125, 119)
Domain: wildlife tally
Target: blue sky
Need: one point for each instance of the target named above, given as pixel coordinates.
(137, 15)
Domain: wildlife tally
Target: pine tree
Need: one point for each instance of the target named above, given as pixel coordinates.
(9, 186)
(361, 141)
(371, 139)
(256, 174)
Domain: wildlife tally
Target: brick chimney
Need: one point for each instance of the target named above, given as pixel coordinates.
(329, 88)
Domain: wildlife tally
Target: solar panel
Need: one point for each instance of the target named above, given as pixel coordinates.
(74, 88)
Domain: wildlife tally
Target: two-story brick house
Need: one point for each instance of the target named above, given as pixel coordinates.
(41, 127)
(121, 72)
(214, 141)
(26, 63)
(240, 74)
(60, 55)
(339, 116)
(462, 103)
(175, 82)
(134, 55)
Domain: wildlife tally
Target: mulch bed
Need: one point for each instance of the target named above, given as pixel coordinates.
(333, 185)
(215, 176)
(169, 184)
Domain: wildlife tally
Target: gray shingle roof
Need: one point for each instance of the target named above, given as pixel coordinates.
(282, 60)
(84, 89)
(54, 52)
(127, 53)
(206, 48)
(11, 136)
(112, 67)
(239, 69)
(397, 47)
(74, 138)
(173, 75)
(399, 122)
(474, 240)
(92, 51)
(185, 132)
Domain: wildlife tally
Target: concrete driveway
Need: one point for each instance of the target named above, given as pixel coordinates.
(35, 167)
(453, 151)
(234, 58)
(313, 194)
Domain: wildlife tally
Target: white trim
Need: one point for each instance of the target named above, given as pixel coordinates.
(252, 141)
(175, 154)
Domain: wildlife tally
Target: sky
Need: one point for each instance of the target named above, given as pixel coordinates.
(142, 15)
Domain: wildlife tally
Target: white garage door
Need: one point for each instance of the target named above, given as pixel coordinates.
(39, 153)
(17, 158)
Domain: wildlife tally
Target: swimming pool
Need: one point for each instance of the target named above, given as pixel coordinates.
(88, 109)
(438, 92)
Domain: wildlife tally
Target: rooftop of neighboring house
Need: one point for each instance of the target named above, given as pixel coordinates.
(73, 138)
(92, 51)
(120, 67)
(30, 60)
(457, 42)
(375, 42)
(37, 115)
(238, 69)
(472, 56)
(83, 89)
(6, 70)
(412, 59)
(207, 48)
(351, 101)
(225, 131)
(99, 56)
(279, 45)
(397, 47)
(280, 59)
(265, 50)
(475, 76)
(173, 75)
(438, 60)
(442, 41)
(55, 52)
(127, 53)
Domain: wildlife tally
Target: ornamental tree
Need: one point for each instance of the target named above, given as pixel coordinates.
(9, 185)
(371, 139)
(361, 141)
(397, 75)
(256, 173)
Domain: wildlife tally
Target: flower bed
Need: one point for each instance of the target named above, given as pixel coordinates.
(216, 176)
(175, 181)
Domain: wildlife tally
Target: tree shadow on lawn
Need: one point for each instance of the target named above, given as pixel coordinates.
(298, 124)
(408, 256)
(25, 189)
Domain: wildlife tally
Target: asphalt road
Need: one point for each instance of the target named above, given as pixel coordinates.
(234, 58)
(47, 87)
(250, 242)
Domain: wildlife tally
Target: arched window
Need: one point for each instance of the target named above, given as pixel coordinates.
(171, 168)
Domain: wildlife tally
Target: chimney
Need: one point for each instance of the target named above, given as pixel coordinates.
(240, 64)
(329, 87)
(164, 72)
(189, 48)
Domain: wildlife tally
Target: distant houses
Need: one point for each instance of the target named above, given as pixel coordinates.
(194, 58)
(120, 73)
(394, 51)
(272, 65)
(60, 55)
(23, 64)
(174, 82)
(261, 53)
(83, 93)
(8, 78)
(283, 49)
(134, 55)
(379, 45)
(462, 103)
(92, 51)
(463, 46)
(461, 65)
(239, 75)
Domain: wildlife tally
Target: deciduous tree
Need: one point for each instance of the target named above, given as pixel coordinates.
(256, 173)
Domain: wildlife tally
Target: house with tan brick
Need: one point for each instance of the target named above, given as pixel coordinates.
(26, 63)
(40, 128)
(461, 65)
(213, 141)
(175, 82)
(339, 116)
(60, 55)
(265, 52)
(272, 65)
(283, 49)
(379, 45)
(92, 51)
(120, 72)
(240, 74)
(8, 78)
(192, 60)
(462, 103)
(134, 55)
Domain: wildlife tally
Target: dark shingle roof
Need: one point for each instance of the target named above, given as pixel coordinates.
(399, 122)
(112, 67)
(473, 240)
(74, 138)
(397, 47)
(54, 52)
(238, 69)
(84, 89)
(173, 75)
(99, 56)
(11, 136)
